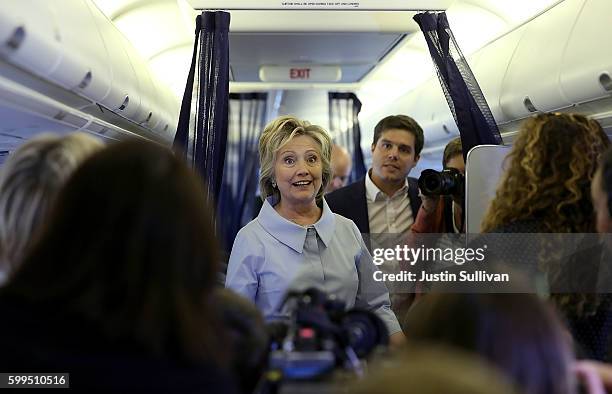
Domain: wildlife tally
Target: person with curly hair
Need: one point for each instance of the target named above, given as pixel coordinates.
(546, 189)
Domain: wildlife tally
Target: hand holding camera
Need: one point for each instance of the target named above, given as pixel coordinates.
(448, 182)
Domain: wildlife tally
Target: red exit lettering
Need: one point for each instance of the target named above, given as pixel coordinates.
(299, 73)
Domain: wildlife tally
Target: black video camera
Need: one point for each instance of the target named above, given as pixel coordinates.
(448, 182)
(321, 335)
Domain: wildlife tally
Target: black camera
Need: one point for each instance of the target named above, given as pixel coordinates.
(321, 336)
(444, 183)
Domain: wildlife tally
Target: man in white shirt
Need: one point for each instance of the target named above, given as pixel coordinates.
(386, 199)
(385, 202)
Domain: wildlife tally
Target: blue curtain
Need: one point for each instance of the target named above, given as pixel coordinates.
(465, 99)
(344, 128)
(247, 113)
(202, 139)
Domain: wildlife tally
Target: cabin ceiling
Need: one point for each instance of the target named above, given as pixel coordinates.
(381, 52)
(354, 53)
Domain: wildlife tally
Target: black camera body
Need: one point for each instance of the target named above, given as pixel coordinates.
(322, 336)
(448, 182)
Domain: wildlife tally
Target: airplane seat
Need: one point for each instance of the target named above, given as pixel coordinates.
(483, 171)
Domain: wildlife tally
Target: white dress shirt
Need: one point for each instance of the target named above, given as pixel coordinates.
(388, 214)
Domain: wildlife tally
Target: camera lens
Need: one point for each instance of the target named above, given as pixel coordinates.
(365, 331)
(432, 183)
(447, 182)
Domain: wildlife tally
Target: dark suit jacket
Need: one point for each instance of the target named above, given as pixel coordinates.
(350, 202)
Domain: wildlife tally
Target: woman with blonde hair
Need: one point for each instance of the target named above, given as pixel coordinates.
(29, 181)
(296, 242)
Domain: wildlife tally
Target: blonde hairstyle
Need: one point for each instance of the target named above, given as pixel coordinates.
(279, 132)
(29, 181)
(431, 369)
(548, 175)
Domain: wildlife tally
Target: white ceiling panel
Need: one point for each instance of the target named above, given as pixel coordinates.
(321, 5)
(281, 32)
(355, 53)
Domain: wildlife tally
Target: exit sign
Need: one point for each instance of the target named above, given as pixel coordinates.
(300, 73)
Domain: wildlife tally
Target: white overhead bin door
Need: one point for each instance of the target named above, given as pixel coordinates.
(148, 115)
(123, 96)
(431, 111)
(84, 66)
(491, 67)
(29, 36)
(586, 70)
(164, 108)
(531, 82)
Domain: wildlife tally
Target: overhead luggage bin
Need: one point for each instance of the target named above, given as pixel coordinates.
(490, 68)
(146, 92)
(586, 68)
(531, 83)
(84, 66)
(166, 110)
(123, 97)
(29, 37)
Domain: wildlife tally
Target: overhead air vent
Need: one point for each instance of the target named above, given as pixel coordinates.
(86, 80)
(125, 103)
(529, 105)
(605, 81)
(60, 115)
(16, 39)
(148, 118)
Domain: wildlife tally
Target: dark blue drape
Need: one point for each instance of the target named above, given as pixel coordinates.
(465, 99)
(344, 128)
(202, 139)
(247, 113)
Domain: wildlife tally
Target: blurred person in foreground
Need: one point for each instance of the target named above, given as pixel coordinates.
(517, 333)
(117, 288)
(29, 181)
(435, 370)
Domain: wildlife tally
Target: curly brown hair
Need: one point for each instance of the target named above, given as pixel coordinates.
(548, 175)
